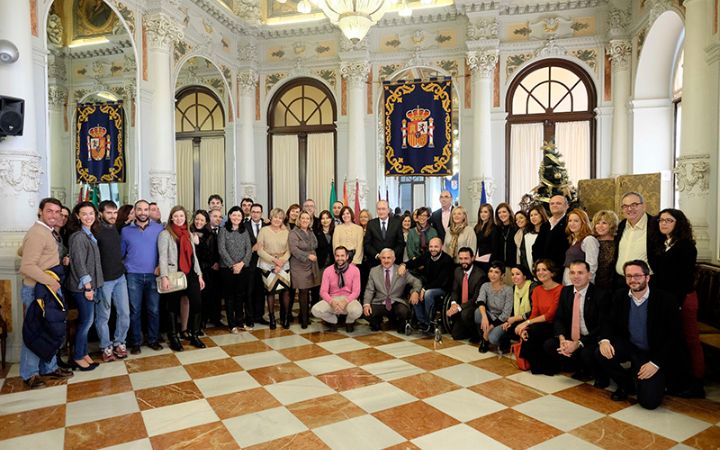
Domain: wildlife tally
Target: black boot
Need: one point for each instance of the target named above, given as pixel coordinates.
(285, 304)
(172, 334)
(304, 309)
(271, 312)
(194, 339)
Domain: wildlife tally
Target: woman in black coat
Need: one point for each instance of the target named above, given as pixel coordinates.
(324, 250)
(503, 239)
(208, 257)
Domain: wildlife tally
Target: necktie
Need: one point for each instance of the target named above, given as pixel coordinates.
(257, 229)
(215, 230)
(575, 326)
(56, 235)
(465, 289)
(388, 302)
(383, 228)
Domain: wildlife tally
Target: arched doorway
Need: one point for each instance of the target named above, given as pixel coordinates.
(199, 146)
(550, 100)
(302, 143)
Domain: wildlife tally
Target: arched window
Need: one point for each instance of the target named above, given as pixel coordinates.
(301, 143)
(551, 100)
(199, 145)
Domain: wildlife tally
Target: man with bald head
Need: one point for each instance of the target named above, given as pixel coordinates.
(440, 219)
(384, 231)
(552, 242)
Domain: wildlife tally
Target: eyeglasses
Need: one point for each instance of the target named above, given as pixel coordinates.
(631, 205)
(667, 220)
(635, 277)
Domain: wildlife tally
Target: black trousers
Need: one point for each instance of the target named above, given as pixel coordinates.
(399, 313)
(650, 392)
(237, 300)
(463, 324)
(583, 359)
(212, 296)
(533, 348)
(171, 302)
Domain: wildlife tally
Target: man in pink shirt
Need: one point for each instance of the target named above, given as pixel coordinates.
(339, 292)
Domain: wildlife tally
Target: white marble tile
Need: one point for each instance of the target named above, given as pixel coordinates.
(104, 370)
(377, 397)
(403, 349)
(14, 371)
(545, 383)
(298, 390)
(228, 339)
(662, 421)
(464, 405)
(140, 444)
(457, 437)
(466, 353)
(313, 327)
(27, 400)
(362, 431)
(226, 384)
(98, 408)
(158, 377)
(147, 351)
(47, 440)
(261, 359)
(558, 412)
(681, 447)
(177, 417)
(565, 441)
(201, 355)
(324, 364)
(263, 426)
(343, 345)
(392, 369)
(466, 375)
(283, 342)
(402, 336)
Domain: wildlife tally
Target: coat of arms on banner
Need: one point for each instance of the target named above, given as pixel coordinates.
(99, 143)
(418, 128)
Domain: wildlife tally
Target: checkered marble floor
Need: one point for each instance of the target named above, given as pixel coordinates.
(309, 389)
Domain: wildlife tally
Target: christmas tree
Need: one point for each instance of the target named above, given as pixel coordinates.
(553, 177)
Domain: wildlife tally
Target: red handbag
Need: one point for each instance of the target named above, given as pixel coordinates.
(522, 363)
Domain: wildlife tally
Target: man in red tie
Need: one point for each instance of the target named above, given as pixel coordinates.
(577, 324)
(466, 288)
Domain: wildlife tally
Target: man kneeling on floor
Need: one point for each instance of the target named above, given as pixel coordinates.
(385, 290)
(340, 290)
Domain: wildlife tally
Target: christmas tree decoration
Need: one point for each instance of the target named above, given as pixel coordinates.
(553, 177)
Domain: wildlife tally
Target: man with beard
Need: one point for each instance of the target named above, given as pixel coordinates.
(435, 269)
(339, 292)
(245, 207)
(639, 339)
(466, 288)
(140, 253)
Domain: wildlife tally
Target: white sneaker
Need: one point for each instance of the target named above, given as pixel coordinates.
(236, 330)
(248, 328)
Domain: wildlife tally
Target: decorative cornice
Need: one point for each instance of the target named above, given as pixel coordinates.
(356, 72)
(247, 81)
(618, 21)
(486, 28)
(551, 48)
(481, 6)
(444, 15)
(275, 33)
(620, 52)
(162, 31)
(225, 17)
(482, 61)
(692, 174)
(546, 7)
(115, 48)
(19, 172)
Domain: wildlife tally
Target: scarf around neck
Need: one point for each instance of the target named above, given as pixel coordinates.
(186, 250)
(521, 299)
(340, 272)
(455, 231)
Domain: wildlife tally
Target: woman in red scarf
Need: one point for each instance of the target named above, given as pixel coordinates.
(176, 252)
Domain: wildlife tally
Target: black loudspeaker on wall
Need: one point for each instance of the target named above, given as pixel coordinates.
(12, 113)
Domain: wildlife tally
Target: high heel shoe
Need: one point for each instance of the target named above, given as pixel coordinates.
(272, 325)
(77, 366)
(286, 322)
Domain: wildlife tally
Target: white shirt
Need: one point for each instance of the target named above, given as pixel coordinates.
(633, 243)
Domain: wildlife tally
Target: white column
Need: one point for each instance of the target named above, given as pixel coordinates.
(20, 169)
(620, 51)
(162, 32)
(482, 64)
(61, 157)
(699, 127)
(246, 185)
(356, 73)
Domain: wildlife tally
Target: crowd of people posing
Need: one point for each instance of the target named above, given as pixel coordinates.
(603, 298)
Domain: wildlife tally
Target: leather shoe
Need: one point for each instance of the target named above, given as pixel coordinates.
(135, 350)
(619, 395)
(34, 382)
(155, 346)
(601, 382)
(90, 366)
(59, 373)
(483, 347)
(350, 327)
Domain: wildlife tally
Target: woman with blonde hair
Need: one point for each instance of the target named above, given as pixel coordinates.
(460, 234)
(274, 256)
(583, 245)
(304, 269)
(604, 225)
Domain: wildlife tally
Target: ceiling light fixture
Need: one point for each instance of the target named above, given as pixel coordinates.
(353, 17)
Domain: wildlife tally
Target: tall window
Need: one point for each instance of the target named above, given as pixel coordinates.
(551, 100)
(301, 143)
(199, 146)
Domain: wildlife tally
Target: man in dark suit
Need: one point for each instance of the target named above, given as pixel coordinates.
(639, 339)
(577, 324)
(465, 290)
(309, 206)
(635, 234)
(440, 219)
(552, 242)
(383, 232)
(385, 293)
(256, 288)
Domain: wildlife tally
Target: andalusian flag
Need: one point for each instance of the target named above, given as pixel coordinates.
(333, 197)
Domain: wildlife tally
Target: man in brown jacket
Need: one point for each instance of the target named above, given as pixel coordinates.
(39, 253)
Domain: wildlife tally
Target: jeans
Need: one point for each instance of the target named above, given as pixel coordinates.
(113, 292)
(86, 316)
(142, 286)
(30, 363)
(424, 310)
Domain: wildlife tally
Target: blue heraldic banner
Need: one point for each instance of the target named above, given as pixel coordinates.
(100, 143)
(418, 128)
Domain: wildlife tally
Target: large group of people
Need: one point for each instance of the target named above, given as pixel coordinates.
(603, 298)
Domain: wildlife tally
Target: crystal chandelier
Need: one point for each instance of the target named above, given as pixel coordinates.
(353, 17)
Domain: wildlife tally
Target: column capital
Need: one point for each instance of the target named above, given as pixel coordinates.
(356, 72)
(482, 61)
(247, 80)
(247, 190)
(620, 52)
(475, 188)
(162, 31)
(163, 185)
(692, 174)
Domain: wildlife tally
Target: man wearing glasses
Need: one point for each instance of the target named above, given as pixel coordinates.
(639, 339)
(634, 233)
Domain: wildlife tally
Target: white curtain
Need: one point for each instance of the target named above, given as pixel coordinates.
(525, 156)
(320, 168)
(184, 170)
(286, 178)
(212, 168)
(573, 143)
